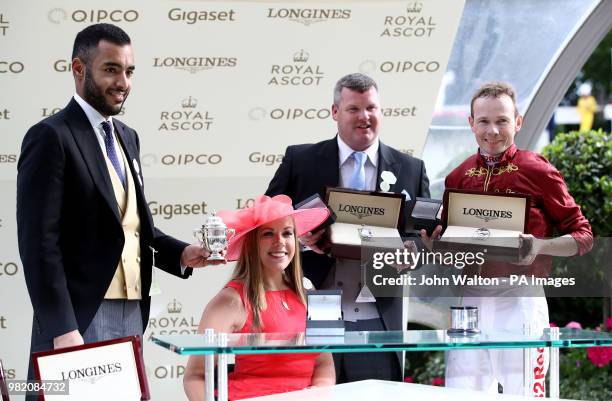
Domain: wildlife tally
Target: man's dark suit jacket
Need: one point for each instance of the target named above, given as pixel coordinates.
(68, 223)
(307, 169)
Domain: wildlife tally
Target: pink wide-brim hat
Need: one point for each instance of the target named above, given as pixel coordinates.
(265, 210)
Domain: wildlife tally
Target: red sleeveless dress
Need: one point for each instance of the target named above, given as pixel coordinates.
(259, 375)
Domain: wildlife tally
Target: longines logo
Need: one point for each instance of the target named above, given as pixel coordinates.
(265, 159)
(4, 24)
(361, 211)
(192, 16)
(411, 24)
(59, 15)
(181, 159)
(487, 214)
(4, 114)
(309, 16)
(8, 269)
(296, 113)
(93, 373)
(8, 158)
(399, 111)
(49, 111)
(170, 210)
(412, 66)
(241, 203)
(173, 322)
(297, 73)
(62, 65)
(195, 64)
(188, 119)
(13, 67)
(3, 322)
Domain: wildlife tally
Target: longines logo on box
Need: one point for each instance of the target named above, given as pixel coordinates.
(192, 16)
(188, 119)
(8, 158)
(194, 64)
(93, 373)
(59, 15)
(361, 211)
(411, 24)
(181, 159)
(266, 159)
(173, 322)
(4, 24)
(9, 269)
(49, 111)
(292, 113)
(297, 73)
(12, 67)
(487, 214)
(411, 66)
(309, 16)
(170, 210)
(5, 114)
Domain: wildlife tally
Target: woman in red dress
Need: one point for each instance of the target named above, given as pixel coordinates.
(264, 295)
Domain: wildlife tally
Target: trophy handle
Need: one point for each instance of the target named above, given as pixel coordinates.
(230, 233)
(195, 234)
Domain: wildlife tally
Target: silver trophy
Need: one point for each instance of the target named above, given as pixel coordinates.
(214, 236)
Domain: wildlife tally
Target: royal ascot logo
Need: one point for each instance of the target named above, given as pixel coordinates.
(309, 16)
(4, 24)
(487, 214)
(265, 159)
(172, 322)
(407, 111)
(181, 159)
(5, 114)
(59, 15)
(409, 24)
(195, 64)
(187, 119)
(297, 73)
(292, 113)
(11, 67)
(170, 210)
(92, 374)
(8, 269)
(361, 211)
(191, 17)
(411, 66)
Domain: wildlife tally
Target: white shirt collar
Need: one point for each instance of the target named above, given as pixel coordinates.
(346, 151)
(93, 115)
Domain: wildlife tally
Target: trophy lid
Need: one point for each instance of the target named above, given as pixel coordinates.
(212, 220)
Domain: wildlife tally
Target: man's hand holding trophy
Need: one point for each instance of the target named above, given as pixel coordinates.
(213, 238)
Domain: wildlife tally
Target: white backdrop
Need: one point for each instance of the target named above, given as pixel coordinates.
(221, 88)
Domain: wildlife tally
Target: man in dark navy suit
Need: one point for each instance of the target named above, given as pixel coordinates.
(355, 158)
(86, 235)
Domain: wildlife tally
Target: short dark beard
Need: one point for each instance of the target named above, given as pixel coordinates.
(94, 96)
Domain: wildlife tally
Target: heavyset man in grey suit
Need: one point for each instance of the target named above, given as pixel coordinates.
(307, 169)
(86, 235)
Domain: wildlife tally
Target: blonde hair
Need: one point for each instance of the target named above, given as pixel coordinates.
(249, 271)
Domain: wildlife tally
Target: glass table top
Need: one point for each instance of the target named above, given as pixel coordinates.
(377, 341)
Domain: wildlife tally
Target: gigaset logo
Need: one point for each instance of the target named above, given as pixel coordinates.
(192, 16)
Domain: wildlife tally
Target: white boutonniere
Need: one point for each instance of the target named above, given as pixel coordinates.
(388, 179)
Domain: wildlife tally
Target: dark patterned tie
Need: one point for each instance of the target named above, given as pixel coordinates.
(109, 143)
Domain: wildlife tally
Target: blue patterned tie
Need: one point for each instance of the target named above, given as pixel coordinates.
(109, 143)
(357, 181)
